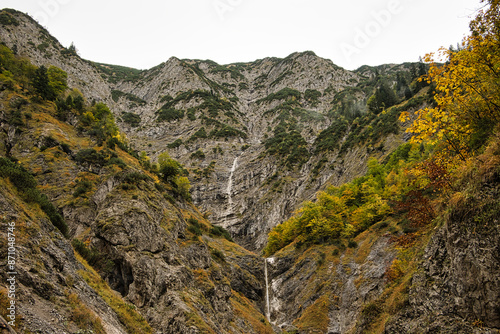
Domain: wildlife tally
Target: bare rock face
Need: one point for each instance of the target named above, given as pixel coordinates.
(207, 115)
(251, 137)
(297, 282)
(457, 284)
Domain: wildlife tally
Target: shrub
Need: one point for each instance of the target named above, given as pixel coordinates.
(6, 19)
(117, 161)
(93, 256)
(66, 149)
(177, 143)
(26, 184)
(135, 177)
(284, 94)
(91, 156)
(169, 114)
(82, 187)
(220, 232)
(130, 118)
(194, 226)
(288, 143)
(217, 255)
(198, 155)
(201, 133)
(312, 95)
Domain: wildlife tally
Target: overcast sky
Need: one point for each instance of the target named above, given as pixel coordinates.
(144, 33)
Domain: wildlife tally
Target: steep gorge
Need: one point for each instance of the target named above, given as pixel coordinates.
(258, 139)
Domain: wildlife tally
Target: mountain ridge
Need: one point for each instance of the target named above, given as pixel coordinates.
(254, 140)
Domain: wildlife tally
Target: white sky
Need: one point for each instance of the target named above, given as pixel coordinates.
(144, 33)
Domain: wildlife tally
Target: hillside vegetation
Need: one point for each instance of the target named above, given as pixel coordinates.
(90, 211)
(445, 177)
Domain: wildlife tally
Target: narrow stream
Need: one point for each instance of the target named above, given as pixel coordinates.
(268, 312)
(230, 182)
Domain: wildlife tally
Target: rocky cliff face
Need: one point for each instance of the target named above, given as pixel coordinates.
(257, 139)
(207, 115)
(137, 236)
(456, 287)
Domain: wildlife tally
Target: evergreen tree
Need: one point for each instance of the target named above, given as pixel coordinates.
(383, 98)
(41, 84)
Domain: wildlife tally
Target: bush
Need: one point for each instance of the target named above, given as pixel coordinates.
(284, 94)
(312, 96)
(177, 143)
(135, 178)
(117, 161)
(93, 256)
(82, 187)
(26, 184)
(6, 19)
(288, 143)
(352, 244)
(91, 156)
(201, 133)
(217, 255)
(198, 155)
(194, 226)
(130, 118)
(220, 232)
(170, 114)
(66, 149)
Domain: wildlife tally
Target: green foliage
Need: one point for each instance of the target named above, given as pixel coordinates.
(133, 119)
(198, 155)
(41, 84)
(352, 244)
(218, 255)
(212, 103)
(6, 19)
(226, 131)
(232, 70)
(169, 114)
(169, 168)
(136, 177)
(330, 138)
(49, 83)
(183, 187)
(339, 213)
(383, 98)
(101, 124)
(191, 114)
(96, 259)
(117, 94)
(194, 227)
(288, 143)
(312, 96)
(284, 94)
(177, 143)
(91, 156)
(200, 133)
(82, 187)
(26, 185)
(220, 232)
(115, 73)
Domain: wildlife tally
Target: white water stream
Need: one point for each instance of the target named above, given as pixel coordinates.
(230, 182)
(268, 312)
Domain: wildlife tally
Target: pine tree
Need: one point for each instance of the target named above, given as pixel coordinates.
(41, 84)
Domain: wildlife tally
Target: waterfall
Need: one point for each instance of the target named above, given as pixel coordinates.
(230, 182)
(268, 312)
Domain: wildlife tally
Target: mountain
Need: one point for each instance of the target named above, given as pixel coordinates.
(273, 117)
(109, 242)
